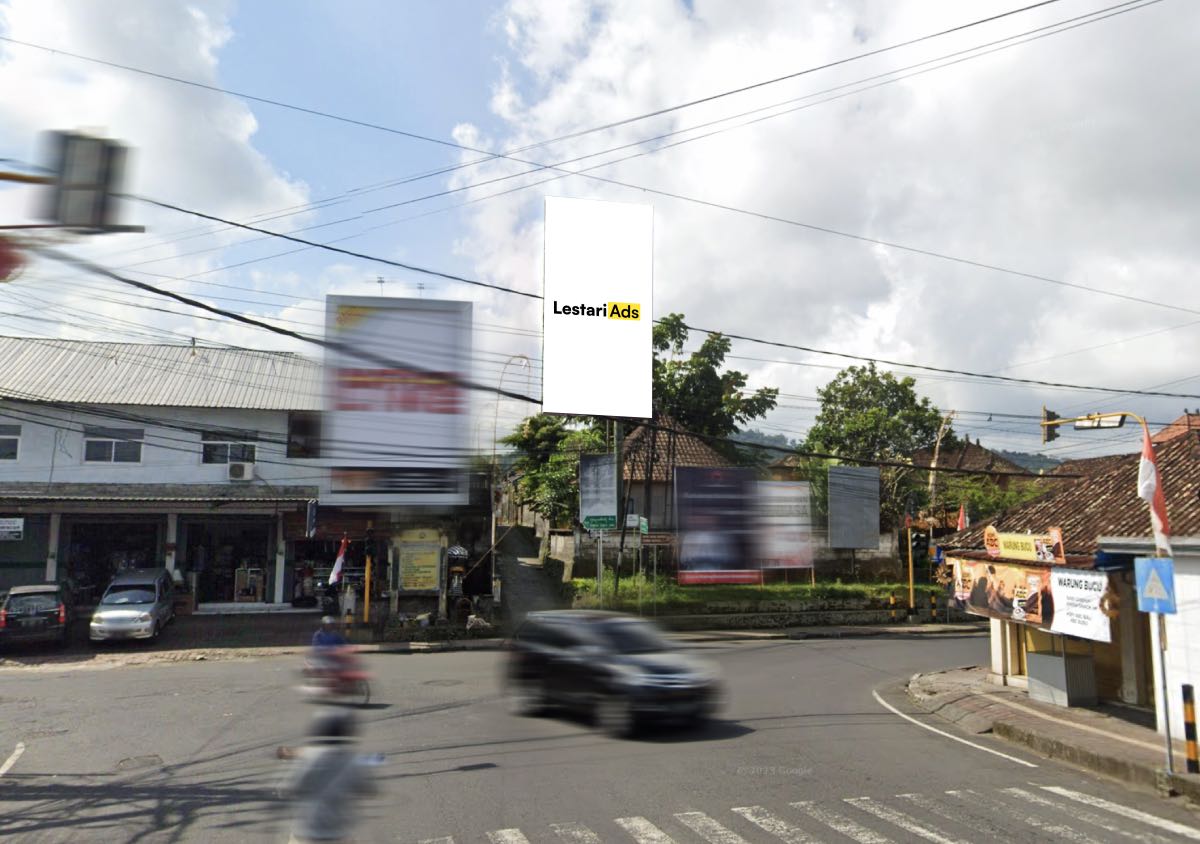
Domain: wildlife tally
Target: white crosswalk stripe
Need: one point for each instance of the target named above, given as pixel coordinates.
(1087, 817)
(575, 833)
(1045, 811)
(1125, 811)
(906, 822)
(644, 832)
(842, 824)
(778, 827)
(507, 836)
(708, 829)
(1060, 831)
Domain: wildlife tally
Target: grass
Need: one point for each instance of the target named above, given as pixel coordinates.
(671, 598)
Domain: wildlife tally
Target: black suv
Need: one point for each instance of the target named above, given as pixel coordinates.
(615, 667)
(41, 613)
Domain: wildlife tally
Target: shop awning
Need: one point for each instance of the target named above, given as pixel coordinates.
(158, 493)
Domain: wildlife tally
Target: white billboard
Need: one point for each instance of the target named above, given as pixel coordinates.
(597, 315)
(598, 491)
(396, 433)
(785, 525)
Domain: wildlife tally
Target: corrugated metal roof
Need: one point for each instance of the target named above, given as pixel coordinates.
(153, 492)
(156, 375)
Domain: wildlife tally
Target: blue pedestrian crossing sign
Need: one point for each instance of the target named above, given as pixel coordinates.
(1155, 584)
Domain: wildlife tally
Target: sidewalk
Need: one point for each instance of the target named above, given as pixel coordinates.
(1088, 737)
(838, 631)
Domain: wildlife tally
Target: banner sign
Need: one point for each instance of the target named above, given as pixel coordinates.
(12, 530)
(598, 491)
(597, 316)
(1011, 593)
(1078, 604)
(396, 432)
(419, 556)
(1044, 548)
(716, 511)
(785, 525)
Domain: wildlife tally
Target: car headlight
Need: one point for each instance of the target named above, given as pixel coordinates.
(144, 617)
(97, 621)
(630, 676)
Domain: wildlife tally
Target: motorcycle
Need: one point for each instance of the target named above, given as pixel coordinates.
(336, 677)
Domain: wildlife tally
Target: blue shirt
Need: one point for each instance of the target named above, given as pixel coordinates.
(321, 639)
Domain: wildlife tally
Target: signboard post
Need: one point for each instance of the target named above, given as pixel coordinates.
(1156, 595)
(598, 503)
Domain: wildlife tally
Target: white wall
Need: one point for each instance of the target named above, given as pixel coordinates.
(52, 449)
(1183, 639)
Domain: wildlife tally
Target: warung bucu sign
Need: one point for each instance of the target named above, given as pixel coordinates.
(597, 317)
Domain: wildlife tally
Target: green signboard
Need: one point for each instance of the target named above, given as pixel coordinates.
(643, 525)
(600, 522)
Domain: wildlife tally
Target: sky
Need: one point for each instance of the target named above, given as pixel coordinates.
(975, 201)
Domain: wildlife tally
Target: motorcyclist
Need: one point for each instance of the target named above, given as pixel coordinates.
(324, 781)
(330, 651)
(328, 636)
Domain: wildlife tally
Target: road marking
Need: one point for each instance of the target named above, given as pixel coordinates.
(1086, 816)
(507, 836)
(842, 824)
(1060, 831)
(643, 831)
(1125, 811)
(776, 826)
(709, 829)
(896, 711)
(12, 759)
(905, 822)
(446, 840)
(575, 832)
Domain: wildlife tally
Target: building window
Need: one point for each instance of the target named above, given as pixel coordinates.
(229, 447)
(10, 441)
(304, 434)
(112, 445)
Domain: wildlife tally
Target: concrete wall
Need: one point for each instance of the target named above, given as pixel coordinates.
(51, 449)
(1183, 639)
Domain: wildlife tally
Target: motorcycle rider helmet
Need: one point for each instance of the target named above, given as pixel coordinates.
(333, 727)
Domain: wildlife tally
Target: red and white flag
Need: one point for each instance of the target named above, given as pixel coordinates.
(1150, 490)
(962, 516)
(336, 574)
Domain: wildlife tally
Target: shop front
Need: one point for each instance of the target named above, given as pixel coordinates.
(97, 548)
(228, 559)
(1060, 627)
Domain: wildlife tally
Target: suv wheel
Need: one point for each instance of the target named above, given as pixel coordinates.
(614, 715)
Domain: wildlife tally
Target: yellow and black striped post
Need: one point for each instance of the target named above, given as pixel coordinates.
(892, 605)
(933, 605)
(1189, 729)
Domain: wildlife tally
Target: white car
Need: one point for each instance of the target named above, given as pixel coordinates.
(136, 605)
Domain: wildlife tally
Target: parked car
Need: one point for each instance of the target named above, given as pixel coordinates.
(617, 668)
(136, 605)
(38, 613)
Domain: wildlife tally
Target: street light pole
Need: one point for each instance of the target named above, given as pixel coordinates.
(495, 421)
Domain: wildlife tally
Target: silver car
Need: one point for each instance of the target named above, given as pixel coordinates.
(136, 605)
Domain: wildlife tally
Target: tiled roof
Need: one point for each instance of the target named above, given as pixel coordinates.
(671, 448)
(1089, 466)
(73, 371)
(1105, 503)
(1184, 424)
(970, 456)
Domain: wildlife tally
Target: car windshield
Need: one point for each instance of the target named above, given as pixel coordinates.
(139, 593)
(632, 637)
(35, 602)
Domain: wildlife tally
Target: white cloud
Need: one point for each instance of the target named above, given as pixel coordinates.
(1069, 157)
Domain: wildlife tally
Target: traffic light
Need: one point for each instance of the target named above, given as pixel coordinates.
(920, 545)
(1049, 431)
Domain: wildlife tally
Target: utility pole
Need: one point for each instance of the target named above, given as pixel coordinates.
(937, 447)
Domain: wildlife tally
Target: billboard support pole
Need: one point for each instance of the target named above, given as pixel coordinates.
(912, 604)
(600, 568)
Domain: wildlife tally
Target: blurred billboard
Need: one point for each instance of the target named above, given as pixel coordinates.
(785, 539)
(397, 434)
(853, 507)
(717, 521)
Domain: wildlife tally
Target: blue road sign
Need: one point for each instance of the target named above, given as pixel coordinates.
(1155, 584)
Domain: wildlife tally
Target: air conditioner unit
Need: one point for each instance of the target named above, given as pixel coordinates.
(241, 471)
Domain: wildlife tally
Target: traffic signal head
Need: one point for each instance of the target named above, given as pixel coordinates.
(1049, 431)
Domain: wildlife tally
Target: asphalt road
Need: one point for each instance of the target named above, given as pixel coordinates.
(804, 752)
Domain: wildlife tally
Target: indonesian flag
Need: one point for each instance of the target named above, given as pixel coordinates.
(1150, 490)
(336, 574)
(962, 516)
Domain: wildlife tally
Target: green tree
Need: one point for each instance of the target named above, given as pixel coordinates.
(695, 392)
(548, 463)
(870, 415)
(985, 496)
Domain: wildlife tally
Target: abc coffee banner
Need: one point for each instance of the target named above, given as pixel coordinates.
(597, 315)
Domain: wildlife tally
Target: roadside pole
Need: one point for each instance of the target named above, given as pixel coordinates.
(600, 568)
(1161, 621)
(912, 601)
